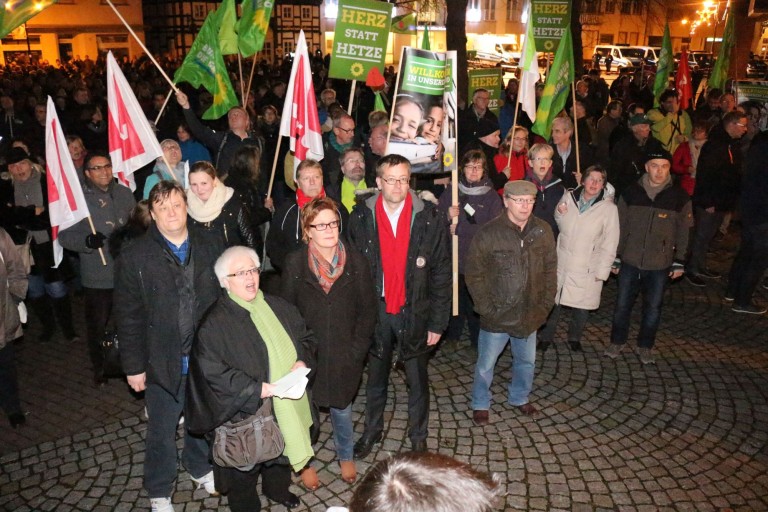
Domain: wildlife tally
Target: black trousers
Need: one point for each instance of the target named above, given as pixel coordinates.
(240, 486)
(416, 378)
(9, 382)
(98, 309)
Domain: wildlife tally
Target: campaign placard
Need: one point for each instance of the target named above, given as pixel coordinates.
(360, 39)
(489, 79)
(549, 18)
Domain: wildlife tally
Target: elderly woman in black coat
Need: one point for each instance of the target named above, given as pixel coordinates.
(246, 342)
(331, 285)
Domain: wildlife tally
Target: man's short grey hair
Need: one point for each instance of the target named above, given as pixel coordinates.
(338, 120)
(565, 122)
(221, 267)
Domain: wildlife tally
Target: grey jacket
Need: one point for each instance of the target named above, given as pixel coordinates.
(13, 289)
(109, 210)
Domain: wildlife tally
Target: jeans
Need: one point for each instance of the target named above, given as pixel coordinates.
(575, 327)
(705, 229)
(343, 432)
(631, 282)
(98, 308)
(489, 347)
(749, 265)
(38, 288)
(160, 462)
(416, 377)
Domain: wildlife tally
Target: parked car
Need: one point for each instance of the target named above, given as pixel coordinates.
(757, 68)
(692, 64)
(624, 57)
(704, 59)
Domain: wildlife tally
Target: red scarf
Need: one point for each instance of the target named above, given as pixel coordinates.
(396, 250)
(302, 199)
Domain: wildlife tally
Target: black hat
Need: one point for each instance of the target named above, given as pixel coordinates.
(486, 127)
(16, 155)
(656, 155)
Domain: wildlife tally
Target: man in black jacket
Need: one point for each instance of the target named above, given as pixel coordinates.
(405, 242)
(164, 284)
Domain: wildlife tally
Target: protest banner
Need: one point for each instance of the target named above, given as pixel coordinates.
(360, 39)
(423, 120)
(489, 79)
(550, 18)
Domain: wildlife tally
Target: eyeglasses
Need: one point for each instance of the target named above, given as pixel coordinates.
(322, 227)
(520, 200)
(100, 167)
(478, 167)
(520, 139)
(541, 159)
(354, 161)
(345, 130)
(403, 180)
(741, 124)
(242, 273)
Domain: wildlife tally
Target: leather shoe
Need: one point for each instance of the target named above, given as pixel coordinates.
(289, 502)
(575, 346)
(543, 346)
(17, 419)
(365, 444)
(480, 418)
(528, 409)
(419, 445)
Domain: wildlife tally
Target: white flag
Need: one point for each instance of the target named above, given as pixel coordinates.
(529, 68)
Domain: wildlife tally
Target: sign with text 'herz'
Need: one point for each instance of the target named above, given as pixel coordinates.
(360, 39)
(489, 79)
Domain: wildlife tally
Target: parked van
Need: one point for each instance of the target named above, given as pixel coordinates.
(651, 54)
(624, 57)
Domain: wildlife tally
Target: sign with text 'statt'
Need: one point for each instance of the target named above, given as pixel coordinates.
(360, 39)
(549, 18)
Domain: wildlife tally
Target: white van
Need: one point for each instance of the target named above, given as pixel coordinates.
(651, 54)
(624, 57)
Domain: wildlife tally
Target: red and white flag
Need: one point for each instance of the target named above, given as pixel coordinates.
(683, 81)
(132, 142)
(300, 121)
(66, 203)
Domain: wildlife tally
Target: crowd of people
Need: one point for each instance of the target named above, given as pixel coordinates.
(345, 268)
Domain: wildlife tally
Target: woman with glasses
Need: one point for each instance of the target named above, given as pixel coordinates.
(331, 285)
(513, 166)
(247, 342)
(215, 207)
(589, 234)
(172, 154)
(478, 203)
(550, 187)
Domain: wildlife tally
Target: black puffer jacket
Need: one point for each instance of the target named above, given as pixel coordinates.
(718, 174)
(512, 275)
(233, 225)
(152, 326)
(427, 273)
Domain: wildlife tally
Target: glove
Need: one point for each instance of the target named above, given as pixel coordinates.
(95, 241)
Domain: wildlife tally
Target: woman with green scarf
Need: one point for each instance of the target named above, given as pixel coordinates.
(246, 342)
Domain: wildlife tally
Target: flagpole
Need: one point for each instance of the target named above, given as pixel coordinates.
(514, 127)
(240, 67)
(274, 166)
(168, 165)
(101, 250)
(351, 97)
(250, 79)
(162, 72)
(162, 109)
(576, 135)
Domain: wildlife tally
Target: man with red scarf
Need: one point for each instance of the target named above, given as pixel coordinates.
(284, 234)
(406, 244)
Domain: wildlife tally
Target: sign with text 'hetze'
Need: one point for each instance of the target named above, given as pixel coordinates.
(549, 18)
(360, 39)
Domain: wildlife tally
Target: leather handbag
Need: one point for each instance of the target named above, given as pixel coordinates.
(25, 252)
(243, 444)
(110, 351)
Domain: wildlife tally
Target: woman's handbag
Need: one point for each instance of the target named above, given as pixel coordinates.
(243, 444)
(26, 254)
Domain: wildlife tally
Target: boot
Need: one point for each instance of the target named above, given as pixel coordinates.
(44, 313)
(63, 309)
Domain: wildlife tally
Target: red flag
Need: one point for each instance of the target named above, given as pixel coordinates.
(132, 142)
(66, 204)
(683, 81)
(300, 121)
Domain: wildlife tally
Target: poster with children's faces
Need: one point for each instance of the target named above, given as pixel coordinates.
(423, 121)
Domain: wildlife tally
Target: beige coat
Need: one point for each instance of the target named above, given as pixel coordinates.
(586, 249)
(13, 288)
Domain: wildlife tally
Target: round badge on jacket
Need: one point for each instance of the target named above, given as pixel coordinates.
(421, 261)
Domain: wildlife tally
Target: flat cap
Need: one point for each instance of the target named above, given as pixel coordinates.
(519, 188)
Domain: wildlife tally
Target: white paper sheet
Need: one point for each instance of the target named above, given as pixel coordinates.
(292, 385)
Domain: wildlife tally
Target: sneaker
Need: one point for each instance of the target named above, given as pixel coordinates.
(161, 505)
(709, 274)
(613, 350)
(765, 284)
(749, 308)
(645, 355)
(728, 297)
(695, 280)
(207, 482)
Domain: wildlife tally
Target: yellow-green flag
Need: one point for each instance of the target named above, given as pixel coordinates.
(204, 66)
(664, 67)
(253, 25)
(720, 71)
(425, 40)
(557, 87)
(15, 13)
(226, 16)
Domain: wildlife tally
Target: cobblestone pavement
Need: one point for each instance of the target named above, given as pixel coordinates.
(688, 433)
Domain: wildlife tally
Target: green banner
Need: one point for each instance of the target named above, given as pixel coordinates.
(424, 75)
(550, 18)
(360, 39)
(489, 79)
(751, 91)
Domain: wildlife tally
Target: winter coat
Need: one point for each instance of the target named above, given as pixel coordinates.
(229, 362)
(109, 210)
(754, 210)
(566, 170)
(251, 198)
(486, 206)
(718, 173)
(548, 194)
(586, 249)
(233, 225)
(342, 320)
(512, 275)
(654, 232)
(13, 289)
(628, 160)
(427, 273)
(666, 127)
(149, 295)
(681, 161)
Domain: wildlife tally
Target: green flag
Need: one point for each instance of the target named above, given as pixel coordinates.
(226, 18)
(204, 66)
(720, 71)
(15, 14)
(425, 40)
(404, 24)
(664, 67)
(557, 87)
(253, 25)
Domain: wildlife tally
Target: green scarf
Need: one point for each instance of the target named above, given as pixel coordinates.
(293, 416)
